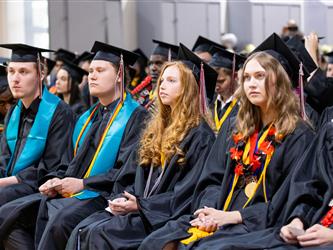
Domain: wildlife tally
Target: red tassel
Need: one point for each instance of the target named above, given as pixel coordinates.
(122, 77)
(233, 74)
(202, 93)
(301, 92)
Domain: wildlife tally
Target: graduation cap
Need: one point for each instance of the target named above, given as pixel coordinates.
(75, 72)
(49, 64)
(223, 58)
(3, 79)
(295, 69)
(329, 57)
(274, 46)
(199, 67)
(85, 56)
(112, 54)
(299, 49)
(142, 56)
(203, 44)
(168, 50)
(23, 52)
(62, 54)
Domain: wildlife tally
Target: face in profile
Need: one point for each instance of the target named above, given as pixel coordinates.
(102, 78)
(329, 71)
(62, 83)
(254, 78)
(223, 83)
(155, 65)
(170, 86)
(22, 79)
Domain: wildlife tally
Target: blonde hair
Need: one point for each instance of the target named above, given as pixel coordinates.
(167, 128)
(284, 102)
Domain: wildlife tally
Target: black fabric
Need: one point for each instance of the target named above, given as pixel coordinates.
(58, 139)
(319, 91)
(171, 199)
(215, 181)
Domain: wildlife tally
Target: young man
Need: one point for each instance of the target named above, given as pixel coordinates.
(103, 139)
(37, 129)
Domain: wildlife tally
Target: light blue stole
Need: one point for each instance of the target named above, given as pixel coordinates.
(36, 140)
(109, 151)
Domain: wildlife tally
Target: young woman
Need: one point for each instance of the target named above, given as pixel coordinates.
(69, 77)
(171, 157)
(246, 177)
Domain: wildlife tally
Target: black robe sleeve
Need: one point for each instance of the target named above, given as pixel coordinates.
(319, 91)
(326, 116)
(58, 139)
(209, 185)
(128, 145)
(178, 182)
(312, 183)
(5, 153)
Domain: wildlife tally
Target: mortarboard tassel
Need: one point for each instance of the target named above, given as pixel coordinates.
(39, 80)
(202, 92)
(121, 74)
(300, 91)
(233, 74)
(169, 55)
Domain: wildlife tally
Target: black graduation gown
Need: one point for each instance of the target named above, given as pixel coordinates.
(58, 137)
(310, 193)
(77, 168)
(326, 116)
(312, 115)
(171, 199)
(319, 91)
(214, 185)
(78, 108)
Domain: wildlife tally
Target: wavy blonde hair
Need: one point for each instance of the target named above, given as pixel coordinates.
(167, 128)
(284, 102)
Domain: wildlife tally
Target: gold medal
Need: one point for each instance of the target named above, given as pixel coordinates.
(250, 189)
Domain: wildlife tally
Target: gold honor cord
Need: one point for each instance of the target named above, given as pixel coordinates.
(84, 128)
(219, 122)
(246, 160)
(118, 108)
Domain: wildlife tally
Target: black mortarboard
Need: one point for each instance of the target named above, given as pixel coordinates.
(75, 72)
(142, 56)
(329, 57)
(164, 49)
(112, 54)
(203, 44)
(275, 47)
(223, 58)
(85, 56)
(296, 46)
(3, 79)
(23, 52)
(62, 54)
(194, 63)
(49, 63)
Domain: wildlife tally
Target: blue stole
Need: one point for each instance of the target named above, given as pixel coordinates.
(36, 140)
(107, 155)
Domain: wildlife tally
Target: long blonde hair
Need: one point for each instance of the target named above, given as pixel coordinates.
(167, 128)
(284, 102)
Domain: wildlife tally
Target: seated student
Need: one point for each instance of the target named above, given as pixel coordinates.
(6, 97)
(171, 157)
(103, 140)
(69, 77)
(37, 128)
(225, 104)
(204, 48)
(247, 176)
